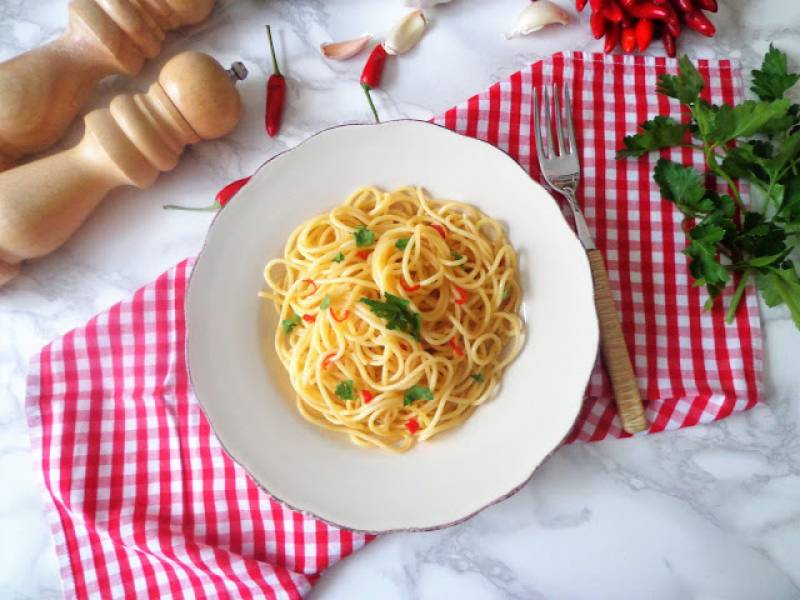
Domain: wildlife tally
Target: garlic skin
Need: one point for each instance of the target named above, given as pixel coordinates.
(536, 15)
(345, 49)
(406, 33)
(425, 3)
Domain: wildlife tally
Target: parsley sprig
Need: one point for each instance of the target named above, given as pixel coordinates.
(724, 236)
(397, 313)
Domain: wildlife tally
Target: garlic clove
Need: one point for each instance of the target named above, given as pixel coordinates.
(424, 3)
(536, 15)
(346, 49)
(406, 33)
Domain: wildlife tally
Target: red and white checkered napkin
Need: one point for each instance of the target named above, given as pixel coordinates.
(143, 501)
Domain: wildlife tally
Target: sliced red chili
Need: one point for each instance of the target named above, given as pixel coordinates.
(345, 314)
(363, 254)
(309, 318)
(327, 360)
(366, 396)
(456, 348)
(404, 347)
(461, 296)
(313, 284)
(412, 425)
(440, 230)
(409, 288)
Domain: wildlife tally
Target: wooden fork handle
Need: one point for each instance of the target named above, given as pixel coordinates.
(615, 352)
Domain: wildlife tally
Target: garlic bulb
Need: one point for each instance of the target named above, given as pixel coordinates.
(425, 3)
(406, 33)
(536, 15)
(346, 49)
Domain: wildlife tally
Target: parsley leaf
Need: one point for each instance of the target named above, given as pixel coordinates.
(326, 302)
(364, 237)
(290, 323)
(773, 79)
(402, 243)
(746, 119)
(781, 286)
(661, 132)
(683, 186)
(345, 390)
(478, 377)
(397, 314)
(418, 392)
(455, 255)
(338, 258)
(506, 293)
(686, 86)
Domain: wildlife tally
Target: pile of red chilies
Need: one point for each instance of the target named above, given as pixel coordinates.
(633, 24)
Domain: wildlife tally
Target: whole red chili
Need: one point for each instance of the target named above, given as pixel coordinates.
(700, 23)
(709, 5)
(669, 44)
(276, 93)
(685, 5)
(597, 23)
(613, 12)
(627, 3)
(597, 5)
(372, 73)
(221, 199)
(612, 37)
(651, 10)
(580, 5)
(628, 39)
(644, 34)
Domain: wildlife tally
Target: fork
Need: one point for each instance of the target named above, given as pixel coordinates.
(562, 172)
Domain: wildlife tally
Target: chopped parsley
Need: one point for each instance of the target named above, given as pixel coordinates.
(326, 302)
(478, 377)
(345, 390)
(402, 243)
(291, 323)
(455, 255)
(364, 237)
(418, 392)
(397, 314)
(338, 258)
(505, 294)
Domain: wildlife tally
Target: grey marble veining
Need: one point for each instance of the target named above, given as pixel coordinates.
(708, 513)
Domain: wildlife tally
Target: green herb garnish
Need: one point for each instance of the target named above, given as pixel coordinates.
(455, 255)
(418, 392)
(364, 237)
(326, 302)
(397, 314)
(506, 293)
(290, 323)
(338, 258)
(478, 377)
(402, 243)
(757, 140)
(345, 390)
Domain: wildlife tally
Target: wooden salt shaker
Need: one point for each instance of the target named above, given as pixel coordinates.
(42, 90)
(129, 143)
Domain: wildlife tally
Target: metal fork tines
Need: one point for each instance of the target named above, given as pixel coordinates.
(560, 166)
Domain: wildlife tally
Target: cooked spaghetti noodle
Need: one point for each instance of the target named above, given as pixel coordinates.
(398, 315)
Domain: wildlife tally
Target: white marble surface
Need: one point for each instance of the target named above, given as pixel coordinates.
(707, 513)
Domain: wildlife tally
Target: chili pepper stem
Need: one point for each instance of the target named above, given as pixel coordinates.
(275, 68)
(210, 207)
(371, 103)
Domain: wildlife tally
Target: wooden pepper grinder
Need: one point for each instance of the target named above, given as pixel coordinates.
(129, 143)
(42, 90)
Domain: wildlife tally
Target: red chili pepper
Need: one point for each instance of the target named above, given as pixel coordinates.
(597, 23)
(345, 314)
(309, 318)
(700, 23)
(404, 347)
(650, 10)
(412, 425)
(327, 360)
(644, 34)
(221, 199)
(685, 5)
(363, 254)
(580, 5)
(627, 3)
(709, 5)
(673, 25)
(440, 230)
(409, 288)
(628, 39)
(456, 348)
(313, 284)
(597, 5)
(660, 1)
(462, 295)
(372, 73)
(366, 396)
(613, 12)
(669, 44)
(612, 37)
(276, 93)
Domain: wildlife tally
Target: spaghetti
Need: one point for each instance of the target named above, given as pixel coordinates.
(398, 315)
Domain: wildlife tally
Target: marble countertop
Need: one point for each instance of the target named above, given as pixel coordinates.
(709, 512)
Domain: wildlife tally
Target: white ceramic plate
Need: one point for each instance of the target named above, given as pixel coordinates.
(245, 392)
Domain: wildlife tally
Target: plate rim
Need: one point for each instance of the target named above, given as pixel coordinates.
(309, 513)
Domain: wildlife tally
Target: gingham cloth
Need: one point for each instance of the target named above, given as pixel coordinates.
(144, 503)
